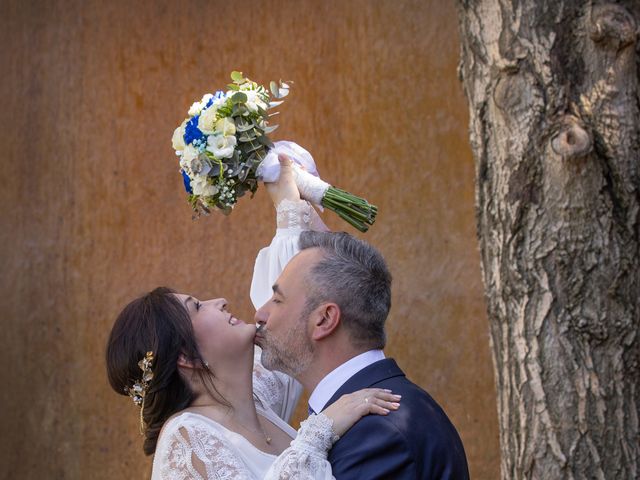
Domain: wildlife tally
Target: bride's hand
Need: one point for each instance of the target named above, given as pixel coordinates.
(350, 408)
(285, 187)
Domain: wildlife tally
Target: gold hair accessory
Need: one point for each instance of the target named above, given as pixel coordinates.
(139, 389)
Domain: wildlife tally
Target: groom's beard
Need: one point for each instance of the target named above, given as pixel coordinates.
(292, 354)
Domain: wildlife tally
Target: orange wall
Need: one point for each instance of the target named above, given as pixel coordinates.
(93, 212)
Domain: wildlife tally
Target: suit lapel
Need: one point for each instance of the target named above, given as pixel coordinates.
(367, 377)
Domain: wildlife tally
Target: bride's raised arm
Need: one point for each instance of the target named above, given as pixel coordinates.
(293, 216)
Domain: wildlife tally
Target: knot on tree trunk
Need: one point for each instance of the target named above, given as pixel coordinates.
(613, 27)
(571, 140)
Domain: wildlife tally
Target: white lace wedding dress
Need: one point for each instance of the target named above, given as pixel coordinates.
(190, 437)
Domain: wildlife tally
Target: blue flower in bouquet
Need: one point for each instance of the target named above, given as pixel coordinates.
(215, 98)
(187, 181)
(192, 132)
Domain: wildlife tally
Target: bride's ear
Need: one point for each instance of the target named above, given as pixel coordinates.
(184, 362)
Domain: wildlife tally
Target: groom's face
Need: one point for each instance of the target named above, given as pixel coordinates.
(285, 335)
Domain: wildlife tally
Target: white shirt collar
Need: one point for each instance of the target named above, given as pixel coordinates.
(330, 384)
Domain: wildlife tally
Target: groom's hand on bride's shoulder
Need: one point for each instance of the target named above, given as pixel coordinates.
(350, 408)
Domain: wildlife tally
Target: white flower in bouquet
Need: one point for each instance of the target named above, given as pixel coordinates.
(207, 121)
(202, 187)
(195, 109)
(221, 146)
(188, 154)
(254, 102)
(226, 126)
(177, 141)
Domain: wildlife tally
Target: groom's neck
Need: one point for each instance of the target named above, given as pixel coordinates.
(326, 359)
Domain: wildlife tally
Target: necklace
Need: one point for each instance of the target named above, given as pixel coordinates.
(267, 438)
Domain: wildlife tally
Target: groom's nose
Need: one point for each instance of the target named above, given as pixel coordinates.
(261, 315)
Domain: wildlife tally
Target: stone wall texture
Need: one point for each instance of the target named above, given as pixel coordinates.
(93, 212)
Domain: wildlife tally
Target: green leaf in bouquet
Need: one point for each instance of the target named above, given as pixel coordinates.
(275, 104)
(215, 169)
(239, 110)
(224, 111)
(266, 141)
(279, 90)
(233, 86)
(269, 129)
(238, 97)
(233, 166)
(242, 125)
(252, 183)
(241, 189)
(253, 159)
(237, 77)
(253, 146)
(243, 174)
(274, 88)
(248, 136)
(283, 91)
(255, 162)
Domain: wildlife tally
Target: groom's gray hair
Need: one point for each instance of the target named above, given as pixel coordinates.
(353, 275)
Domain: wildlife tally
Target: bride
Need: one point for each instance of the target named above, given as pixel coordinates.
(208, 408)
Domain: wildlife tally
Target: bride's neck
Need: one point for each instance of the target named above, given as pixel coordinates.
(234, 389)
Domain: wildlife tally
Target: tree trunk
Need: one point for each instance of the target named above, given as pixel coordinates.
(554, 105)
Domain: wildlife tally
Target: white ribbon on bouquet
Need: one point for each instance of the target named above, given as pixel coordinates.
(311, 186)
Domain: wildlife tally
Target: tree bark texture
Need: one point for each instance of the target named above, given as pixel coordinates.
(553, 95)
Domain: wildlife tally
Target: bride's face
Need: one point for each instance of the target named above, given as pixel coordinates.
(220, 336)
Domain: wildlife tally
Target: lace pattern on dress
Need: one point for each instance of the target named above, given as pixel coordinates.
(267, 386)
(294, 214)
(306, 458)
(190, 444)
(193, 441)
(316, 435)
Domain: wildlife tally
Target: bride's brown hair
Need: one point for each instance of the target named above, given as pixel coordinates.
(160, 323)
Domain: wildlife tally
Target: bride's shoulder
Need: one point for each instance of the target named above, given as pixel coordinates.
(185, 419)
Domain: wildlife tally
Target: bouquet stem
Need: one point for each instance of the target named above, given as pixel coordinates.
(354, 210)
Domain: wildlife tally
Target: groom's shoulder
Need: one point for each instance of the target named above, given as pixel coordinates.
(419, 414)
(420, 424)
(413, 396)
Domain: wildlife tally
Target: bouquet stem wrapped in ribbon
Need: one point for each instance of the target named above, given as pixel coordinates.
(354, 210)
(224, 150)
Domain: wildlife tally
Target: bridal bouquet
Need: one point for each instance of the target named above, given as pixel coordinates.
(224, 150)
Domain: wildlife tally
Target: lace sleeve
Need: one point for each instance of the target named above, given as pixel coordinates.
(294, 214)
(275, 390)
(306, 458)
(190, 450)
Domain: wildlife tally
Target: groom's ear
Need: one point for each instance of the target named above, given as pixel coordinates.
(326, 319)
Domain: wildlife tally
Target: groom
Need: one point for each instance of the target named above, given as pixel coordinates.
(324, 326)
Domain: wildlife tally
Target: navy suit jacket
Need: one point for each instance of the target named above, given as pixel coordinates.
(418, 441)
